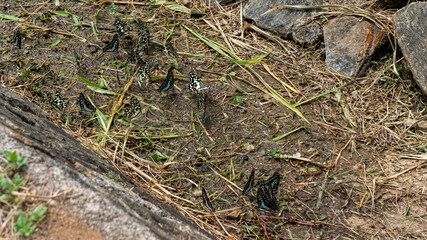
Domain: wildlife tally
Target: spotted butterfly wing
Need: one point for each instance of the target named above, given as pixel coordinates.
(57, 101)
(85, 105)
(17, 39)
(196, 85)
(133, 57)
(120, 26)
(113, 46)
(169, 81)
(143, 41)
(144, 74)
(133, 109)
(250, 183)
(206, 200)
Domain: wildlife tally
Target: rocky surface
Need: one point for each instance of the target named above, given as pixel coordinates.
(58, 165)
(411, 31)
(286, 22)
(349, 44)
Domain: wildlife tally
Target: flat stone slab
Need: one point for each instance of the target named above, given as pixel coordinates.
(58, 165)
(286, 22)
(411, 30)
(349, 44)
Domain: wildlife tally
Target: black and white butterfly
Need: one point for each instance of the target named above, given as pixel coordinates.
(133, 57)
(206, 200)
(199, 88)
(84, 104)
(112, 46)
(143, 41)
(133, 109)
(267, 191)
(196, 85)
(120, 26)
(250, 183)
(143, 76)
(17, 39)
(168, 84)
(57, 102)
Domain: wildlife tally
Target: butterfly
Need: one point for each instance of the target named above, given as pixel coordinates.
(144, 74)
(133, 57)
(57, 101)
(265, 198)
(196, 85)
(17, 39)
(133, 109)
(120, 26)
(143, 41)
(85, 105)
(168, 83)
(267, 191)
(113, 46)
(250, 183)
(206, 200)
(170, 49)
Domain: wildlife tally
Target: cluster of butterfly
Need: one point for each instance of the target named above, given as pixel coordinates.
(267, 190)
(266, 193)
(139, 55)
(131, 110)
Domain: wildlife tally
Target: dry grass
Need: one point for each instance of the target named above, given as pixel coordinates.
(350, 174)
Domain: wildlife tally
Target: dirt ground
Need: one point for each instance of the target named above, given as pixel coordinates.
(353, 170)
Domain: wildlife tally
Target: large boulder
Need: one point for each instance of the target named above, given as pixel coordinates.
(411, 31)
(57, 164)
(349, 44)
(286, 22)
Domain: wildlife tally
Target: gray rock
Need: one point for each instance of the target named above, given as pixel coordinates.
(57, 163)
(349, 44)
(285, 22)
(411, 31)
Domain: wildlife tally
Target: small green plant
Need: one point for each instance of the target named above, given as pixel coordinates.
(11, 181)
(25, 224)
(238, 99)
(14, 162)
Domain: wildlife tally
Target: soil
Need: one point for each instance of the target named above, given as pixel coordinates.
(59, 226)
(359, 127)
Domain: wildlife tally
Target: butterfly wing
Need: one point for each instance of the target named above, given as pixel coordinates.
(17, 39)
(168, 83)
(113, 46)
(265, 199)
(206, 200)
(250, 183)
(85, 105)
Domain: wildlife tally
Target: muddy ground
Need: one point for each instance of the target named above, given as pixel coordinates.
(353, 135)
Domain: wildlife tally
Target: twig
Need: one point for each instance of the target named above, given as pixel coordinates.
(120, 101)
(38, 9)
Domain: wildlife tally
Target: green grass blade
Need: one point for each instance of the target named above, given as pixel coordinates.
(102, 91)
(10, 17)
(289, 133)
(89, 82)
(320, 95)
